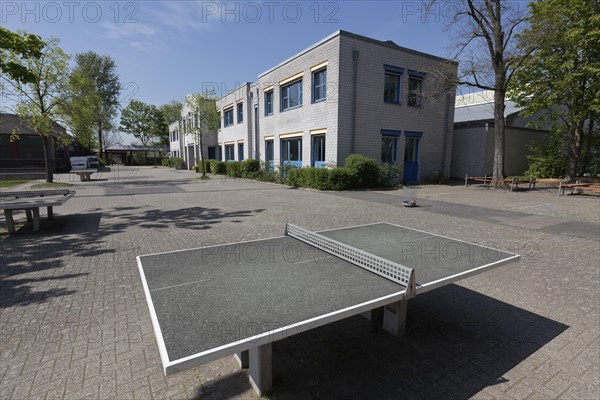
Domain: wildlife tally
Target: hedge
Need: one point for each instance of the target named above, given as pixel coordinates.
(233, 169)
(365, 171)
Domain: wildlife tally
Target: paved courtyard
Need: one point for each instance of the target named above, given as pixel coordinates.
(74, 321)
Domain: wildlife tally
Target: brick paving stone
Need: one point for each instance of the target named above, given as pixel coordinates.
(74, 321)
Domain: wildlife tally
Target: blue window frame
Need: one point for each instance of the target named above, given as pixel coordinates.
(389, 145)
(391, 88)
(319, 89)
(229, 152)
(291, 152)
(318, 151)
(240, 113)
(291, 95)
(240, 151)
(228, 117)
(269, 103)
(415, 88)
(269, 154)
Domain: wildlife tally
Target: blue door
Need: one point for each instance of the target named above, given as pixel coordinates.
(411, 159)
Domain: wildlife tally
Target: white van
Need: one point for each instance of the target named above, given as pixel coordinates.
(78, 163)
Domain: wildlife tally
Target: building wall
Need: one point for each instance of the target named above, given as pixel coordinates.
(239, 132)
(310, 116)
(474, 143)
(373, 114)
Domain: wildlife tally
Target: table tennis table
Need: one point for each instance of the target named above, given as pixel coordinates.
(237, 299)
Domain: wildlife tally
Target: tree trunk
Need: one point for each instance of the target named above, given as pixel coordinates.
(100, 140)
(201, 155)
(499, 137)
(574, 150)
(49, 176)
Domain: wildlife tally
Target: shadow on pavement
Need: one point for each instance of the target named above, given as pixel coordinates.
(457, 343)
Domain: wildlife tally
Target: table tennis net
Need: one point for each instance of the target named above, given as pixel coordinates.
(388, 269)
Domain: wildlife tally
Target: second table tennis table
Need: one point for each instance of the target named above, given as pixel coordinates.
(237, 299)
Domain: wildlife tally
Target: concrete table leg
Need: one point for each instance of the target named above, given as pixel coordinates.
(50, 212)
(375, 318)
(261, 374)
(28, 214)
(10, 223)
(242, 359)
(394, 317)
(36, 218)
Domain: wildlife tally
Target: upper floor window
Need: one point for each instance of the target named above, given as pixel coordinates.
(269, 103)
(291, 95)
(415, 88)
(319, 89)
(391, 88)
(228, 121)
(240, 112)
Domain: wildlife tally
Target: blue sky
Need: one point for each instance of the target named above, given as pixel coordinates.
(166, 49)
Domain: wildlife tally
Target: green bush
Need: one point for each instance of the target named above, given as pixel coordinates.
(365, 171)
(233, 169)
(218, 167)
(250, 166)
(166, 162)
(389, 175)
(338, 178)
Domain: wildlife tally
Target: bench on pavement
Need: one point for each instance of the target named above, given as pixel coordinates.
(512, 182)
(577, 187)
(84, 174)
(30, 202)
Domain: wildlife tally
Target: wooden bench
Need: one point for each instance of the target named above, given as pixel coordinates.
(31, 202)
(513, 182)
(576, 187)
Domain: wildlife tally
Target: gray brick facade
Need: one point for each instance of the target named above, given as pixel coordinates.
(353, 115)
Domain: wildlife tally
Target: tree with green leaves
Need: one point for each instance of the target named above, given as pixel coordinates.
(145, 122)
(101, 70)
(562, 76)
(15, 49)
(171, 111)
(486, 48)
(79, 108)
(203, 119)
(38, 101)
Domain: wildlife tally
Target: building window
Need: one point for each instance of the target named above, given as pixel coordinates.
(229, 152)
(212, 153)
(319, 89)
(228, 120)
(269, 103)
(318, 151)
(389, 146)
(240, 151)
(269, 154)
(291, 95)
(240, 113)
(415, 88)
(391, 89)
(291, 152)
(411, 152)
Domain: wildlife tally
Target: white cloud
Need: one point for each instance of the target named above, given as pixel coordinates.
(123, 30)
(145, 46)
(184, 16)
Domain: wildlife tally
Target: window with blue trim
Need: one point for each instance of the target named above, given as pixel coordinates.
(318, 151)
(240, 113)
(389, 146)
(240, 151)
(415, 88)
(319, 89)
(291, 95)
(269, 103)
(291, 152)
(229, 152)
(228, 120)
(391, 87)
